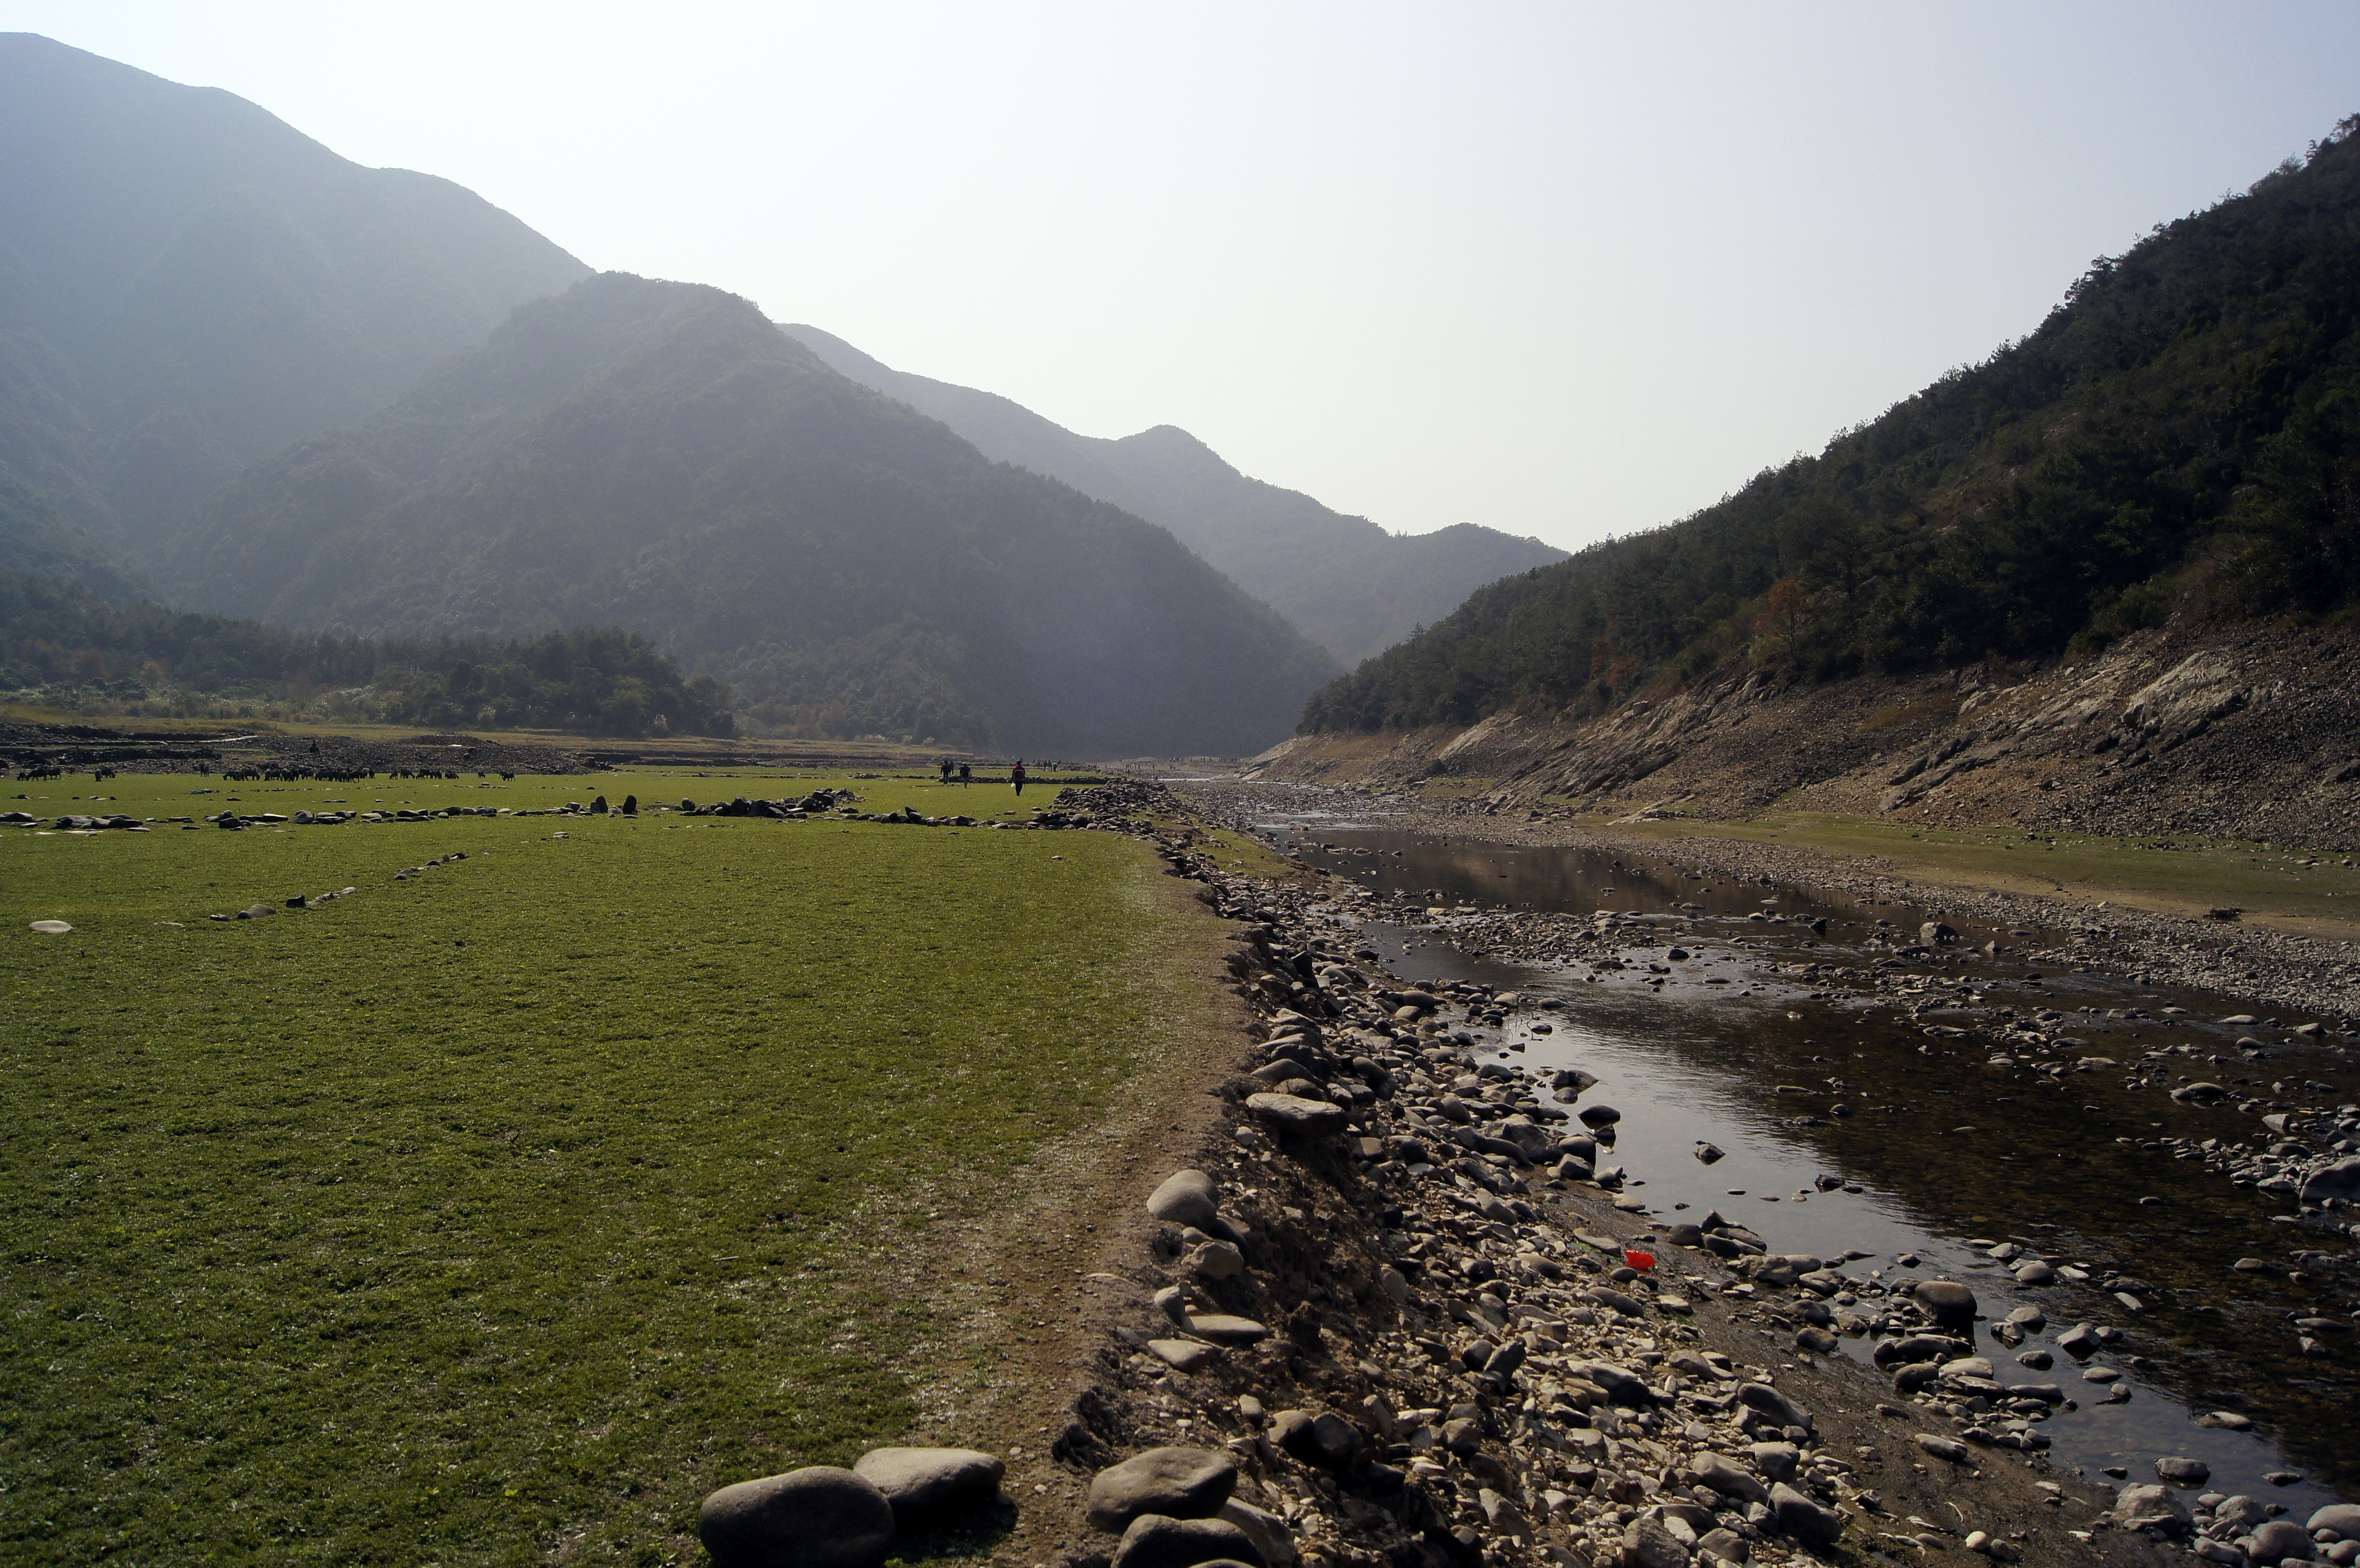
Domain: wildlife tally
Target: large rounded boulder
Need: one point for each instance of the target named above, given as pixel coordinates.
(819, 1517)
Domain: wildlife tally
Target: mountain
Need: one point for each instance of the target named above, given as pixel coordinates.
(1346, 584)
(2177, 442)
(188, 284)
(658, 456)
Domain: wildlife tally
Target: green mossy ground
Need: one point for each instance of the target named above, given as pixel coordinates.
(2315, 894)
(497, 1215)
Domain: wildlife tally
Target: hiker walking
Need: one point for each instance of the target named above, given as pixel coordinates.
(967, 774)
(1016, 775)
(946, 770)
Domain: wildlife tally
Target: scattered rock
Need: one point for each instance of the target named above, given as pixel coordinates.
(1948, 1303)
(2343, 1519)
(1326, 1440)
(1179, 1483)
(1223, 1328)
(1184, 1355)
(1158, 1541)
(2184, 1472)
(1648, 1542)
(2279, 1540)
(1186, 1198)
(930, 1487)
(821, 1517)
(1294, 1113)
(2340, 1180)
(1804, 1518)
(2151, 1507)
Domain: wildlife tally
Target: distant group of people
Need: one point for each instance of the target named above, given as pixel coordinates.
(966, 773)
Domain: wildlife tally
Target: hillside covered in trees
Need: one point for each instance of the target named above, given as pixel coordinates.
(58, 638)
(2180, 437)
(659, 456)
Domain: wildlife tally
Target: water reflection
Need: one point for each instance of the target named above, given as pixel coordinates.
(1931, 1149)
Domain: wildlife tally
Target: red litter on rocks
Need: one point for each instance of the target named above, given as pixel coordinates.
(1640, 1260)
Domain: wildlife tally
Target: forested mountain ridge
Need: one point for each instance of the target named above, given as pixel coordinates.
(187, 283)
(2180, 437)
(658, 456)
(59, 635)
(1344, 581)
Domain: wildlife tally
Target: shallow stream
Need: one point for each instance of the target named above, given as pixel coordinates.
(1935, 1155)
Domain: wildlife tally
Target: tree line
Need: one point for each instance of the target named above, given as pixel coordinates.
(58, 634)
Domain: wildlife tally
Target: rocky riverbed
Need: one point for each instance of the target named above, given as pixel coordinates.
(1409, 1304)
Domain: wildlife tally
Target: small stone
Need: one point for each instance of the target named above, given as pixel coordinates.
(1267, 1531)
(1326, 1440)
(1761, 1397)
(2343, 1519)
(1294, 1113)
(1185, 1198)
(1648, 1542)
(1224, 1329)
(1805, 1519)
(1184, 1354)
(932, 1487)
(1776, 1460)
(1950, 1305)
(1157, 1541)
(1948, 1448)
(52, 928)
(1730, 1481)
(819, 1517)
(1216, 1260)
(2340, 1180)
(2151, 1507)
(1179, 1483)
(1724, 1544)
(2227, 1420)
(2280, 1540)
(2184, 1472)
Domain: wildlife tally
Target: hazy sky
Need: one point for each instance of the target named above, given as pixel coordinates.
(1563, 270)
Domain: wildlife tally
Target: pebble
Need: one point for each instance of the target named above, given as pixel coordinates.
(52, 928)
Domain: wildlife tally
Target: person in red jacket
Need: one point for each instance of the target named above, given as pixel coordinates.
(1016, 775)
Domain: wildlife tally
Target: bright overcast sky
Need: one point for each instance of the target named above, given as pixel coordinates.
(1563, 270)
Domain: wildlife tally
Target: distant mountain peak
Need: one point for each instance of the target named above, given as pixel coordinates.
(1349, 584)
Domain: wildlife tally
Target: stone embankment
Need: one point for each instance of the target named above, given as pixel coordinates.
(2245, 732)
(1398, 1310)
